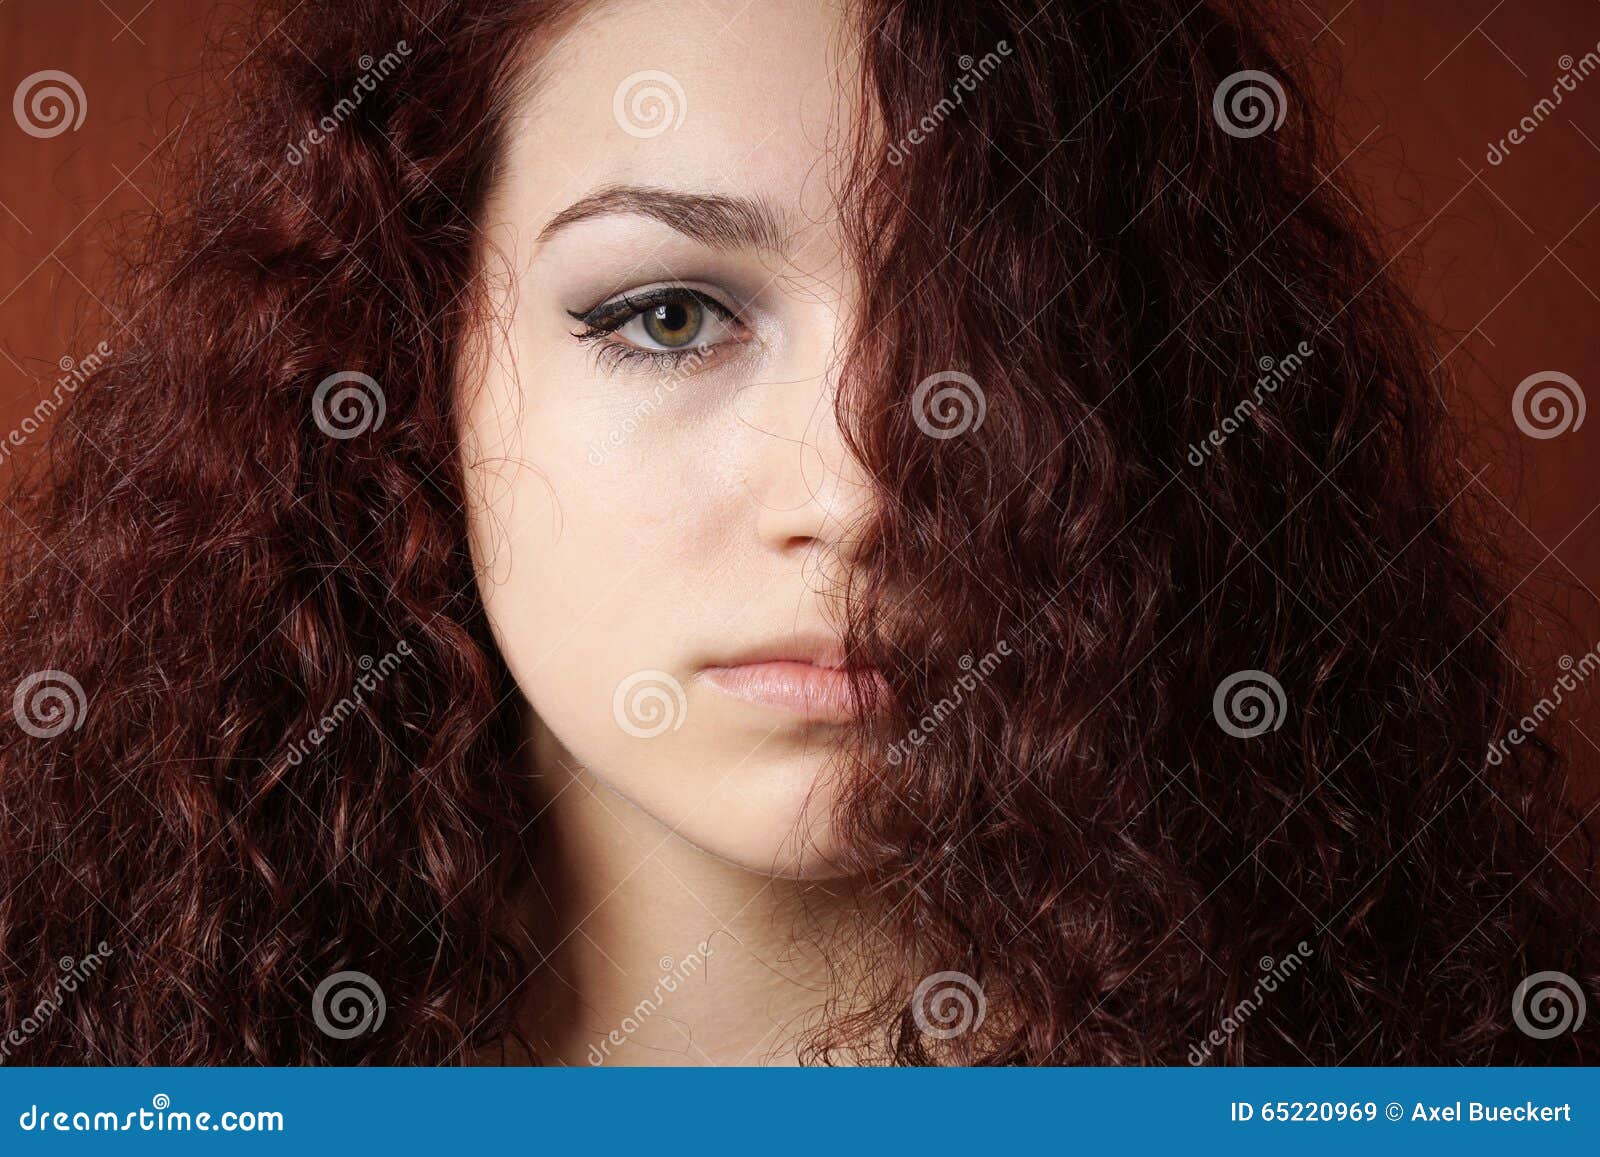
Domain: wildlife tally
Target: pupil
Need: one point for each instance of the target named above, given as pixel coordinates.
(673, 323)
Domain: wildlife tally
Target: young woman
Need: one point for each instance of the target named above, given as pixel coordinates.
(764, 532)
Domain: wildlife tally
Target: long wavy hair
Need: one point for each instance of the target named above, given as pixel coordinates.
(1195, 644)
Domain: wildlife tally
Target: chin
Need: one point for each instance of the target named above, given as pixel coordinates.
(775, 823)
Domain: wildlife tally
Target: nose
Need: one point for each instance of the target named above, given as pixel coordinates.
(811, 493)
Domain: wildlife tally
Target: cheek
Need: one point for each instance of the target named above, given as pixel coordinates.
(603, 585)
(584, 572)
(598, 579)
(620, 545)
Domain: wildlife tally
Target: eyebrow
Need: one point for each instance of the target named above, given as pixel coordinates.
(722, 222)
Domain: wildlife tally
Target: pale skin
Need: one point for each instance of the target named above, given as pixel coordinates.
(646, 518)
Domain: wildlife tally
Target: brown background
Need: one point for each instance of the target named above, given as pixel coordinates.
(1503, 255)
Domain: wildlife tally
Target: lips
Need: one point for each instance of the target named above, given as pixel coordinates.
(802, 674)
(816, 692)
(805, 677)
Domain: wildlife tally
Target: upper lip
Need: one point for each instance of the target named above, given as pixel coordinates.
(818, 649)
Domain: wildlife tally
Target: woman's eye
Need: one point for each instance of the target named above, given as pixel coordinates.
(661, 322)
(672, 324)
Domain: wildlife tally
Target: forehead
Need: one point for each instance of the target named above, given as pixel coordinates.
(726, 96)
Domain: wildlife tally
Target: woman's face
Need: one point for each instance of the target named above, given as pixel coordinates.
(659, 496)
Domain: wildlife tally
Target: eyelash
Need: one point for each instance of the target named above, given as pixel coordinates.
(603, 320)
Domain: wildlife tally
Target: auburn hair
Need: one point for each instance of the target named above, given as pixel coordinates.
(1228, 672)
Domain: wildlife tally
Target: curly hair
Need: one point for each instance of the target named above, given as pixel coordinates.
(1155, 433)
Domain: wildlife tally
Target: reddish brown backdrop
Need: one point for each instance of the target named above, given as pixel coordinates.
(1502, 254)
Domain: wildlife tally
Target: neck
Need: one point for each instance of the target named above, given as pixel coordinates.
(656, 952)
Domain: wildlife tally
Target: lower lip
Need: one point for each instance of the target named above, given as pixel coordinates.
(821, 693)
